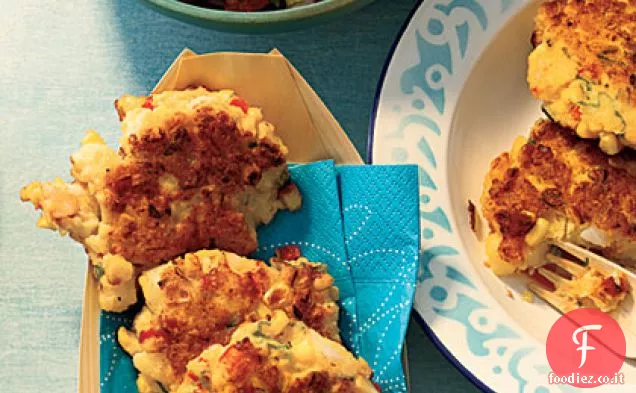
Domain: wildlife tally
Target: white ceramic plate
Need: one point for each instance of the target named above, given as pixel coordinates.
(452, 98)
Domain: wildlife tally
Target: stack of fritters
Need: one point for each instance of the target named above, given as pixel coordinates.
(554, 185)
(196, 169)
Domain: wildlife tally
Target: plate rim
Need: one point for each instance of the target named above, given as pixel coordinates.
(428, 330)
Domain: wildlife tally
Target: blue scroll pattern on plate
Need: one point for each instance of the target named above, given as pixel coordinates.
(442, 41)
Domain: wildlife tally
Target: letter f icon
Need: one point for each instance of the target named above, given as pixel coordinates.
(583, 344)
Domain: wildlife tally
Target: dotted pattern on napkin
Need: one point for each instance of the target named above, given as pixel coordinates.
(116, 370)
(381, 227)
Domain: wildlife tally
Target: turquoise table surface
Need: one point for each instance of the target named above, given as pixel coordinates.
(61, 66)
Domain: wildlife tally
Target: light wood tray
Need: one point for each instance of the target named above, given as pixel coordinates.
(287, 100)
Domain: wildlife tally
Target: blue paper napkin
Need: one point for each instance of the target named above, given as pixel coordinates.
(363, 222)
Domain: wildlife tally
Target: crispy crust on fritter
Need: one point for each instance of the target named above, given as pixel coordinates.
(598, 33)
(197, 309)
(249, 370)
(278, 355)
(247, 367)
(580, 184)
(212, 162)
(226, 299)
(126, 103)
(321, 381)
(308, 283)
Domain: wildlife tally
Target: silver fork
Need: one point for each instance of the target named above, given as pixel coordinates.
(625, 314)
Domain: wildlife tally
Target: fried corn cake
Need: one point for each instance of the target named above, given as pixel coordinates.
(277, 355)
(554, 185)
(196, 169)
(583, 68)
(200, 299)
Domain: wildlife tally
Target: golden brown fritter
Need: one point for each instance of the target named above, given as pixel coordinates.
(196, 169)
(584, 68)
(200, 299)
(277, 355)
(212, 164)
(556, 186)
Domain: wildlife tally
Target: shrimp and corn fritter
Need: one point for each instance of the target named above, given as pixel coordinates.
(196, 169)
(583, 68)
(554, 185)
(200, 299)
(277, 355)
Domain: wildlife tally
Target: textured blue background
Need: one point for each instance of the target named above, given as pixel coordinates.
(62, 65)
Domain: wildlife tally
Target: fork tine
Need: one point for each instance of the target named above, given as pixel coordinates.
(561, 300)
(569, 266)
(594, 260)
(560, 303)
(553, 277)
(573, 250)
